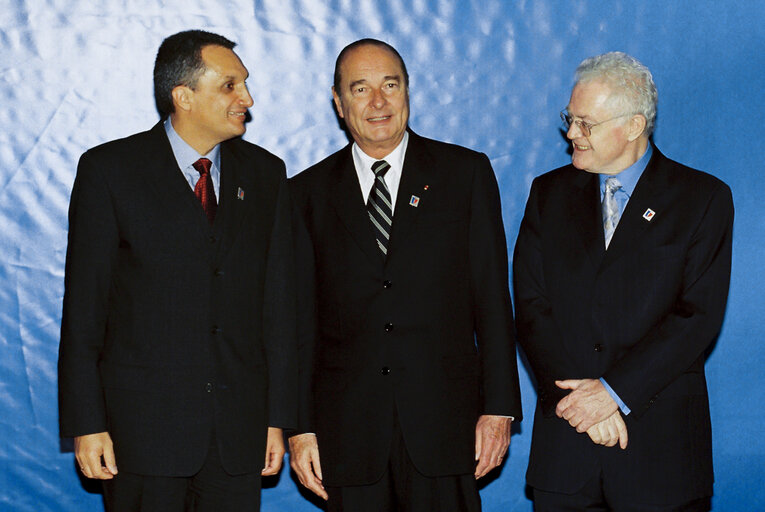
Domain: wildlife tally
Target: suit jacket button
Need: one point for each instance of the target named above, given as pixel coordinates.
(388, 327)
(213, 239)
(215, 330)
(218, 272)
(209, 387)
(387, 284)
(598, 348)
(385, 370)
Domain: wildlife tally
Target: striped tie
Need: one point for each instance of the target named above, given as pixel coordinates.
(379, 206)
(610, 209)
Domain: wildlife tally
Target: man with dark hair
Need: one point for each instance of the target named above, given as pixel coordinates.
(621, 274)
(409, 382)
(177, 356)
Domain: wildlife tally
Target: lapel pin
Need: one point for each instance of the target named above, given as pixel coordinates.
(414, 201)
(648, 215)
(240, 194)
(426, 187)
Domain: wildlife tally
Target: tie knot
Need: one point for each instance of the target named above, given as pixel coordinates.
(202, 166)
(612, 184)
(380, 168)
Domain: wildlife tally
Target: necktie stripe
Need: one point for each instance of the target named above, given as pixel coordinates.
(382, 214)
(384, 198)
(379, 227)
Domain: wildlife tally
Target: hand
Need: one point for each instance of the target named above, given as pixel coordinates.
(89, 449)
(589, 403)
(274, 451)
(492, 437)
(304, 459)
(610, 431)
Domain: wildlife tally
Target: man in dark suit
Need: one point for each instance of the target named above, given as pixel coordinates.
(621, 273)
(408, 366)
(177, 357)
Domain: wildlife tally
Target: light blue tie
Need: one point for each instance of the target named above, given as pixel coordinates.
(610, 208)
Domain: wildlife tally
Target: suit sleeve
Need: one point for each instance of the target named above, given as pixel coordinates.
(682, 336)
(538, 332)
(279, 317)
(495, 332)
(91, 252)
(307, 324)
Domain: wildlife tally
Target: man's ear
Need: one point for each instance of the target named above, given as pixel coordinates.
(636, 127)
(182, 97)
(338, 103)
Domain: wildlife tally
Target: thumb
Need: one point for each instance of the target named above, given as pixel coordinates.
(110, 461)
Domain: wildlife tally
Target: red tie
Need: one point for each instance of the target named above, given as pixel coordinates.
(204, 188)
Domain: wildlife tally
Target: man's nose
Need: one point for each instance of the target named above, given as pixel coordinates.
(378, 99)
(245, 99)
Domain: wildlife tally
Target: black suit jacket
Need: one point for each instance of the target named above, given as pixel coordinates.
(641, 315)
(172, 328)
(427, 332)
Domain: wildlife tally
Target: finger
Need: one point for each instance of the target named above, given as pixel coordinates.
(316, 462)
(92, 467)
(595, 435)
(613, 436)
(478, 443)
(568, 384)
(621, 427)
(273, 465)
(313, 479)
(109, 459)
(481, 469)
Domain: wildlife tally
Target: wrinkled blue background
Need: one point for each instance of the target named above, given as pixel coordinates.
(488, 74)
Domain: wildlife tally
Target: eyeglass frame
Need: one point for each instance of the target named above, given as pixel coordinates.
(584, 127)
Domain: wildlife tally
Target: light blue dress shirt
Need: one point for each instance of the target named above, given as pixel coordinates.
(185, 155)
(628, 179)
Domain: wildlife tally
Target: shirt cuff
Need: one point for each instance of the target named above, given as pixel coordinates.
(622, 406)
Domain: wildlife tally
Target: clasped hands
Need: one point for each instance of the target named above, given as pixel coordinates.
(590, 408)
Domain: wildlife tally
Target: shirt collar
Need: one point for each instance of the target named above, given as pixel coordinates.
(184, 154)
(395, 158)
(629, 177)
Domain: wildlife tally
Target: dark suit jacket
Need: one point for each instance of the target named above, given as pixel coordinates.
(172, 328)
(427, 332)
(641, 315)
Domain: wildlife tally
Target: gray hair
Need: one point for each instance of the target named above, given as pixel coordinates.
(631, 82)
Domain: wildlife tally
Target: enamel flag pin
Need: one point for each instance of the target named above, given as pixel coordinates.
(240, 194)
(414, 201)
(648, 215)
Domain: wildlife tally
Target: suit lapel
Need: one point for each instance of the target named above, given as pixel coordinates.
(418, 172)
(165, 179)
(238, 192)
(584, 210)
(346, 199)
(650, 194)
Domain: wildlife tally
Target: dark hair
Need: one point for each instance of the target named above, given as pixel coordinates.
(179, 62)
(364, 42)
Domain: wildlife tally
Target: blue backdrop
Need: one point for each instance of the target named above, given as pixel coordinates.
(488, 74)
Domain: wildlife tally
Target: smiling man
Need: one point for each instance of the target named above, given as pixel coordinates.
(177, 357)
(621, 273)
(408, 370)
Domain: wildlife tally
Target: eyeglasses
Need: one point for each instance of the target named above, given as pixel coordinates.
(586, 128)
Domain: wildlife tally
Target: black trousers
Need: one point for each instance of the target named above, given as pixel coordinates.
(404, 489)
(210, 490)
(596, 496)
